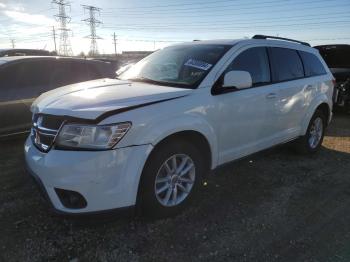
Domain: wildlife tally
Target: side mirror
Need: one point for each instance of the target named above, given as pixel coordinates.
(237, 79)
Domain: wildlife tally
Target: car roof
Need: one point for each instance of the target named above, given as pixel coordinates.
(263, 42)
(24, 49)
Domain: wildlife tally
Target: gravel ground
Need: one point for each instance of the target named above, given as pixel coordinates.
(274, 206)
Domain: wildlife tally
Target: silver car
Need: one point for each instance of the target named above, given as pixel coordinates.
(23, 78)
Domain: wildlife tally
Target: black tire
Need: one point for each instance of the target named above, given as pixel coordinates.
(148, 203)
(302, 145)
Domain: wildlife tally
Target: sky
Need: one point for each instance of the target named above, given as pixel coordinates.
(153, 24)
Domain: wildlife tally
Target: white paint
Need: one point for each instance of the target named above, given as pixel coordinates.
(235, 124)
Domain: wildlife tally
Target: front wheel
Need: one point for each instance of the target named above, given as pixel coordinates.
(312, 140)
(170, 179)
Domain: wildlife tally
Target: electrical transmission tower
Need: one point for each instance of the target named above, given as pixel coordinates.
(65, 48)
(115, 43)
(93, 22)
(13, 43)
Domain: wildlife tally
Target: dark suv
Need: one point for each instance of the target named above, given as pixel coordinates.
(337, 58)
(22, 79)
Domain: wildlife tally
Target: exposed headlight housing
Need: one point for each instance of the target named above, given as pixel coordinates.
(91, 137)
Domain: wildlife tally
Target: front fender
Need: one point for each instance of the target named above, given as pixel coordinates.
(159, 129)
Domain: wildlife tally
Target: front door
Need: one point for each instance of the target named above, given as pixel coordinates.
(248, 116)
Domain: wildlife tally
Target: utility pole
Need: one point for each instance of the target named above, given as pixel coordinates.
(65, 47)
(115, 43)
(54, 37)
(13, 41)
(93, 22)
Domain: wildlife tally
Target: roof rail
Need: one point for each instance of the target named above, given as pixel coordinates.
(279, 38)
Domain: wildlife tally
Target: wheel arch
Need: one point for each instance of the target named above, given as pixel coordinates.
(321, 104)
(194, 137)
(325, 109)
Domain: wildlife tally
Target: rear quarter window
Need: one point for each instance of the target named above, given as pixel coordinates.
(312, 64)
(286, 64)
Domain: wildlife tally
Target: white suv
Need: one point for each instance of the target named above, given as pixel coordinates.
(150, 136)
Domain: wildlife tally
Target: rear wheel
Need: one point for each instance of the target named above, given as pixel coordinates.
(170, 179)
(312, 140)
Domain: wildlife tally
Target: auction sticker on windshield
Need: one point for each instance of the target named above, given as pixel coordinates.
(198, 64)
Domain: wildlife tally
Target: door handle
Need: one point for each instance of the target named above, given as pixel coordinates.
(271, 96)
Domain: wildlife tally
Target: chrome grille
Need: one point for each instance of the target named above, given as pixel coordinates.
(44, 130)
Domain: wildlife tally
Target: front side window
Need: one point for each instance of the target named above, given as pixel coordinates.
(286, 64)
(178, 66)
(254, 61)
(312, 64)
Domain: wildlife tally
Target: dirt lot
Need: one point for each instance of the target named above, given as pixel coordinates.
(275, 206)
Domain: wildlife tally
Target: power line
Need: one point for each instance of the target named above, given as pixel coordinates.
(221, 7)
(65, 46)
(219, 28)
(172, 5)
(93, 22)
(227, 26)
(204, 14)
(317, 17)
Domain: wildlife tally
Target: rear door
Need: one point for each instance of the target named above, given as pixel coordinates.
(314, 70)
(288, 74)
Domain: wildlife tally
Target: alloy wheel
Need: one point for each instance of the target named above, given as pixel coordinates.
(174, 180)
(316, 132)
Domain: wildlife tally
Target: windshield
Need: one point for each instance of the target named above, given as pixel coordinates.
(179, 66)
(336, 56)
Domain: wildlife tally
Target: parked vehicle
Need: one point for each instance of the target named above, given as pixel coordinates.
(114, 63)
(22, 79)
(24, 52)
(150, 136)
(337, 57)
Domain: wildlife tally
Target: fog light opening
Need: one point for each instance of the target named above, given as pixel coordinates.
(71, 199)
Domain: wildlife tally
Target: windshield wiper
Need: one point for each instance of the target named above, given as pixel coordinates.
(161, 83)
(145, 80)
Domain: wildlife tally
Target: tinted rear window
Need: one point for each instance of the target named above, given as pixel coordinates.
(312, 64)
(286, 64)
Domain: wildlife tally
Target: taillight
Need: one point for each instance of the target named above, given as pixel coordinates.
(334, 82)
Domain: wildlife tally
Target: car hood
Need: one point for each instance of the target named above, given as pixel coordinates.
(91, 99)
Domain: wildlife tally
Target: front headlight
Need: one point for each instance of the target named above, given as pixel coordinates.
(93, 137)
